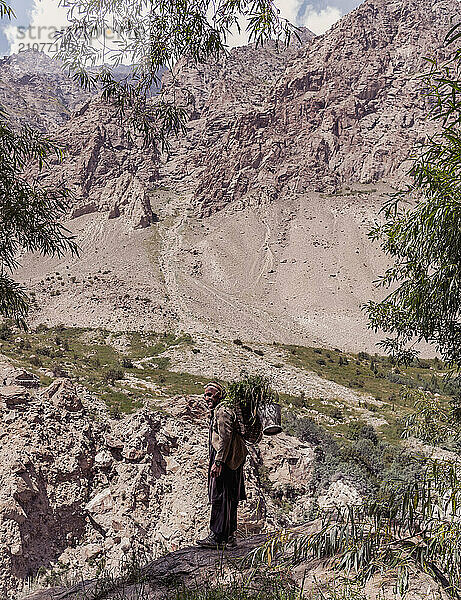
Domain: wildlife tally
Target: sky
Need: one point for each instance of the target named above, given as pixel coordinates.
(36, 20)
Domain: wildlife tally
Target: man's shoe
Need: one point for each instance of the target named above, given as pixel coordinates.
(211, 541)
(232, 541)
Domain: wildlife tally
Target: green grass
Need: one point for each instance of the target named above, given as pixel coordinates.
(374, 375)
(91, 357)
(367, 374)
(129, 369)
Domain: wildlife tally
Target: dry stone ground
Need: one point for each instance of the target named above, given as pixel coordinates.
(78, 486)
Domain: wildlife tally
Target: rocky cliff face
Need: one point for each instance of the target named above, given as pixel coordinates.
(35, 90)
(116, 175)
(268, 122)
(348, 108)
(108, 170)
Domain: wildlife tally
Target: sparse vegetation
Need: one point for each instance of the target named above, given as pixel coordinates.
(90, 357)
(378, 375)
(367, 463)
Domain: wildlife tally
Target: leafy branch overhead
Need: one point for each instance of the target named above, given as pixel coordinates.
(5, 10)
(423, 237)
(151, 37)
(29, 211)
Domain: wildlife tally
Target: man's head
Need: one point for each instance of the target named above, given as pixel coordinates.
(214, 393)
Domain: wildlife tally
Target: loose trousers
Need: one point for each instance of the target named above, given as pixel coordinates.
(224, 493)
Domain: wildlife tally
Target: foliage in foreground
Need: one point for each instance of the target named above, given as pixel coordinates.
(152, 36)
(135, 578)
(424, 239)
(29, 211)
(415, 527)
(369, 464)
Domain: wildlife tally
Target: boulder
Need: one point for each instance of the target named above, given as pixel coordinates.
(62, 394)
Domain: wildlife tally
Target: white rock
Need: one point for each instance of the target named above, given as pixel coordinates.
(101, 503)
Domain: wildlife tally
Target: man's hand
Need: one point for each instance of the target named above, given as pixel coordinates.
(215, 470)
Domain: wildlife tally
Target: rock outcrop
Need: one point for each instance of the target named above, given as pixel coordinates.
(78, 487)
(192, 568)
(35, 91)
(108, 170)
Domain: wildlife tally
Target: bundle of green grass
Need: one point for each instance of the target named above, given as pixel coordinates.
(255, 404)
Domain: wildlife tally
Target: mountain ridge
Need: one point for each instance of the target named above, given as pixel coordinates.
(228, 231)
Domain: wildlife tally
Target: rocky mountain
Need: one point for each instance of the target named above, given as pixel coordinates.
(269, 123)
(34, 90)
(262, 208)
(348, 108)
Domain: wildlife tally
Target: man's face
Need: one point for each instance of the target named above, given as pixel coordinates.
(211, 397)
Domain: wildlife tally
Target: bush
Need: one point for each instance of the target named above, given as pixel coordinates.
(368, 464)
(44, 350)
(5, 331)
(358, 430)
(59, 371)
(337, 413)
(400, 379)
(112, 375)
(127, 363)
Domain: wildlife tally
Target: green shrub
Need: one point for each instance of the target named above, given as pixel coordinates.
(336, 413)
(369, 465)
(44, 351)
(35, 360)
(358, 430)
(6, 331)
(59, 371)
(113, 374)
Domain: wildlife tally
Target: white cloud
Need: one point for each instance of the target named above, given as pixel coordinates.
(305, 15)
(47, 17)
(298, 13)
(320, 21)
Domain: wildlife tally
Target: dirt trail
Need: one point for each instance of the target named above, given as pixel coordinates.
(170, 243)
(267, 255)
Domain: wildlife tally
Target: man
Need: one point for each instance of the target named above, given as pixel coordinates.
(225, 472)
